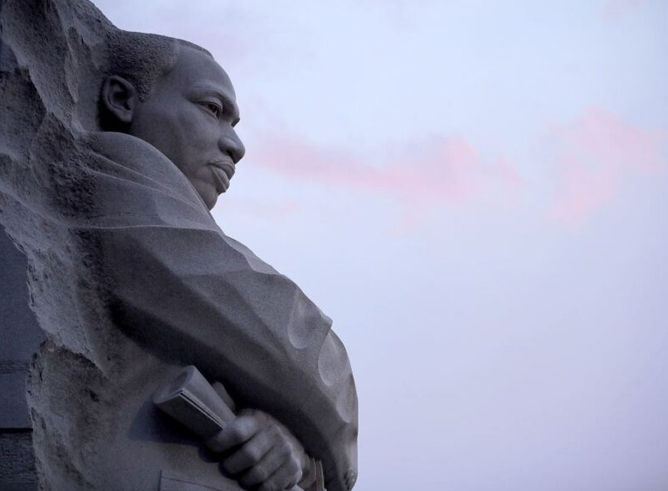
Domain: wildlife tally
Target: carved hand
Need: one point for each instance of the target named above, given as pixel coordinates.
(261, 453)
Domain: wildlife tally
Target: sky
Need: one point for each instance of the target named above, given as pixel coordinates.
(476, 192)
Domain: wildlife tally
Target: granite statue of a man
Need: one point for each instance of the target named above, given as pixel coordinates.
(115, 148)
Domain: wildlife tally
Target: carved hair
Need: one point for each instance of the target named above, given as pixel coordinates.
(142, 59)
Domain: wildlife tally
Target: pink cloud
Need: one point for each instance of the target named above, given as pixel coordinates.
(617, 8)
(508, 174)
(427, 175)
(596, 154)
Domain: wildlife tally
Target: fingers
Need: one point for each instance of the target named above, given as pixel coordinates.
(250, 454)
(265, 453)
(277, 455)
(235, 433)
(287, 476)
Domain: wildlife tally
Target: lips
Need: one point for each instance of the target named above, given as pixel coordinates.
(223, 172)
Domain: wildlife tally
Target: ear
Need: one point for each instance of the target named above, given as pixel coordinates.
(119, 99)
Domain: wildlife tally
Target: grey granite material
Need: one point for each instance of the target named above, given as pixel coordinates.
(17, 461)
(129, 276)
(20, 335)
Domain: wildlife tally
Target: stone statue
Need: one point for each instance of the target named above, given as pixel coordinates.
(114, 147)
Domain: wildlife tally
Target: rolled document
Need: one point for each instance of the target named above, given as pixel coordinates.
(193, 402)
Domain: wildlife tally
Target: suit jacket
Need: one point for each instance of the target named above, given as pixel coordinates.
(165, 288)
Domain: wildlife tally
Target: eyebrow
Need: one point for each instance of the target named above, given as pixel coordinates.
(227, 101)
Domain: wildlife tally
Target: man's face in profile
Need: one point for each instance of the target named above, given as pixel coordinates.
(190, 117)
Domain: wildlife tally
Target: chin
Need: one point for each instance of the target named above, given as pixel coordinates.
(209, 195)
(211, 201)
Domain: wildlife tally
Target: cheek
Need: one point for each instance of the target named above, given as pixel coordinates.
(159, 125)
(198, 147)
(180, 136)
(184, 133)
(196, 134)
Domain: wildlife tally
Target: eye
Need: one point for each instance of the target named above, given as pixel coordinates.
(214, 108)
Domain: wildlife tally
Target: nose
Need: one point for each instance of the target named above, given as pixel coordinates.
(231, 144)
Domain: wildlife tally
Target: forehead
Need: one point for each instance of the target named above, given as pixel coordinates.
(194, 68)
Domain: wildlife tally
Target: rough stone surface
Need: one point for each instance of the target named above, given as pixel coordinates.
(20, 335)
(130, 279)
(17, 461)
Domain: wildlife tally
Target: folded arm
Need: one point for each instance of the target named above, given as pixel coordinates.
(189, 294)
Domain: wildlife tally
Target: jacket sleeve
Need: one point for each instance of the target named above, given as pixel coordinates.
(176, 284)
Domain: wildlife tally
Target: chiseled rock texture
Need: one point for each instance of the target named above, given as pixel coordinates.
(130, 279)
(45, 64)
(20, 337)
